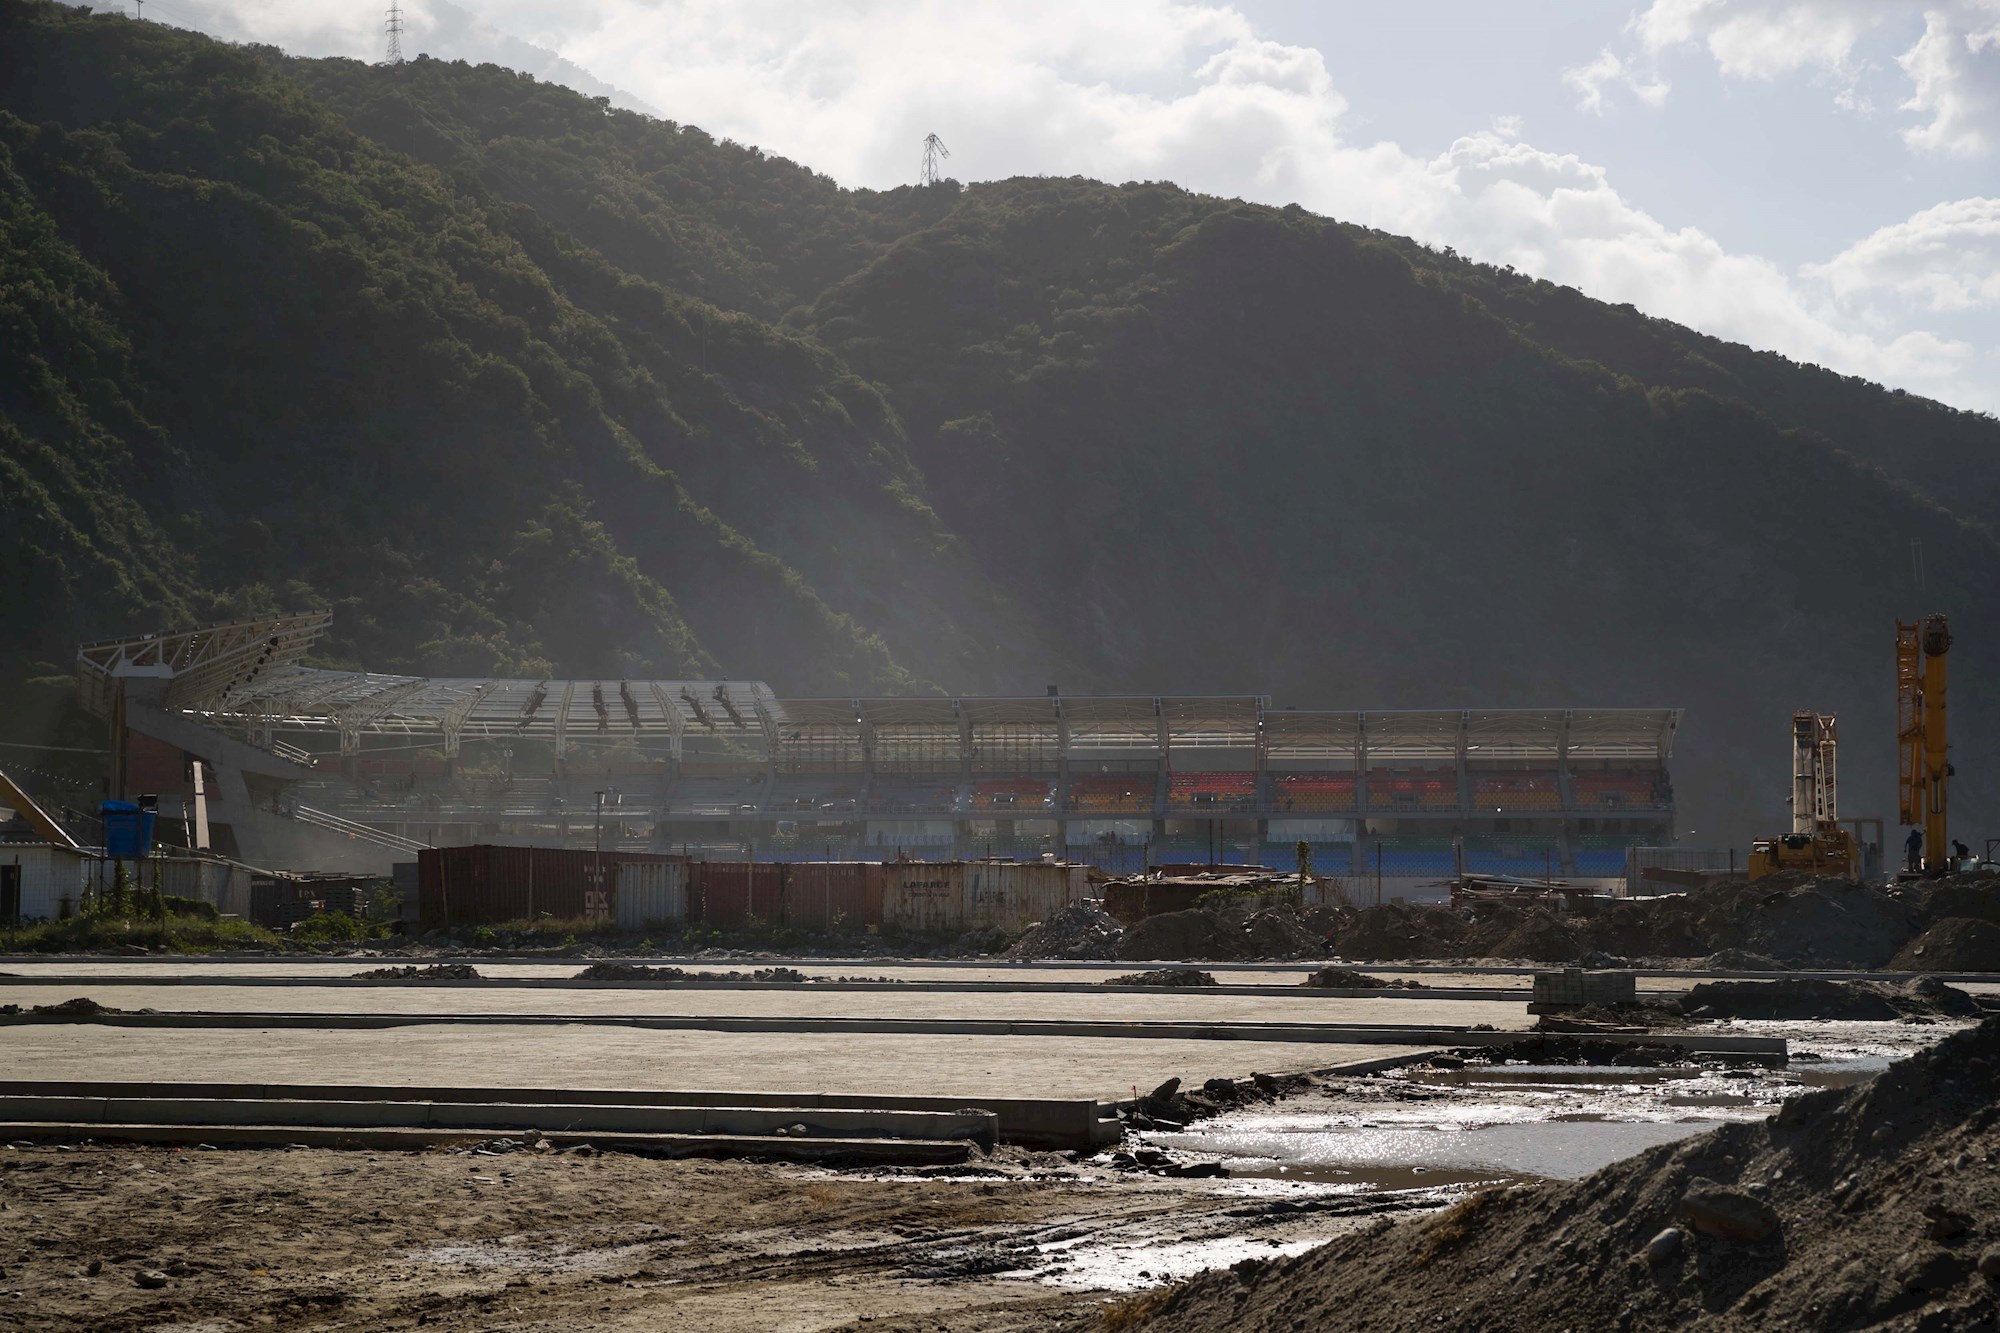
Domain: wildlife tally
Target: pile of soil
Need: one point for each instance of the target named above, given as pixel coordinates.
(1194, 933)
(1277, 932)
(1543, 937)
(81, 1009)
(677, 976)
(1875, 1205)
(1163, 976)
(626, 972)
(1805, 997)
(1955, 944)
(435, 972)
(1343, 978)
(1975, 896)
(1403, 930)
(1079, 931)
(1831, 922)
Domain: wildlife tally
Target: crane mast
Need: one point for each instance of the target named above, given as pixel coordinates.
(1924, 772)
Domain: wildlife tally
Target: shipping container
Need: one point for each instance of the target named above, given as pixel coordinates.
(650, 893)
(484, 885)
(832, 895)
(978, 895)
(733, 893)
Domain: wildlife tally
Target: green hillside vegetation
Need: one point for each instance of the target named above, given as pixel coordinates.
(518, 382)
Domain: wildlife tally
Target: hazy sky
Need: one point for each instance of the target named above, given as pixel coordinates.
(1817, 177)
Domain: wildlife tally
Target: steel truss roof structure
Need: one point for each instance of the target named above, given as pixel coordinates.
(248, 676)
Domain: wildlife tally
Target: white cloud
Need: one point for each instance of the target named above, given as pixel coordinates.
(1592, 79)
(1191, 92)
(1953, 67)
(1946, 258)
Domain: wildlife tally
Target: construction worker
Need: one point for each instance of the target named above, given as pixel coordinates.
(1960, 854)
(1913, 850)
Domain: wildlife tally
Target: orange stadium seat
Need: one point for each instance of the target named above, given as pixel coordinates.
(1312, 793)
(1111, 793)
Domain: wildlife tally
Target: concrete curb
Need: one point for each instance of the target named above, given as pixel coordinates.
(1762, 1049)
(1057, 1123)
(854, 1152)
(501, 1117)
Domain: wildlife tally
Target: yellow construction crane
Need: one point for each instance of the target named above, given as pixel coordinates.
(1923, 777)
(1817, 843)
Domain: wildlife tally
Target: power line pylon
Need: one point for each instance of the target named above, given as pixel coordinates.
(394, 29)
(934, 153)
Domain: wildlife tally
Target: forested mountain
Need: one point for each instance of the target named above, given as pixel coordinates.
(516, 381)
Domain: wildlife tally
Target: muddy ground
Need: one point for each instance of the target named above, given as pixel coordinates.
(533, 1239)
(324, 1239)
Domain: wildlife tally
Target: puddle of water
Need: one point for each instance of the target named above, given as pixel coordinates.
(1137, 1264)
(1567, 1149)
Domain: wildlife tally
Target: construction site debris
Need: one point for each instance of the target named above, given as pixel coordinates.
(1396, 931)
(435, 972)
(1221, 936)
(1955, 944)
(1080, 931)
(1807, 997)
(1847, 1183)
(80, 1009)
(1568, 1048)
(1346, 978)
(1163, 976)
(1575, 987)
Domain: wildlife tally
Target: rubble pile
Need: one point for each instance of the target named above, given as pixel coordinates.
(1870, 1206)
(435, 972)
(1955, 944)
(1345, 978)
(1163, 976)
(1078, 931)
(1805, 997)
(1403, 930)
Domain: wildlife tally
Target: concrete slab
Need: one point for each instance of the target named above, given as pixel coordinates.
(1103, 1068)
(1110, 1005)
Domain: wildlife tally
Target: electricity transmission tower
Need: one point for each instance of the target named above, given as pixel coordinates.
(934, 153)
(394, 29)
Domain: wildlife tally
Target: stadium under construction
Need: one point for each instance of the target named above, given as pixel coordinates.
(294, 767)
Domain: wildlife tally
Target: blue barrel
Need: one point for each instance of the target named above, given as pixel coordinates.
(128, 830)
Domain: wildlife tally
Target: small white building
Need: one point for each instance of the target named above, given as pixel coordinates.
(40, 881)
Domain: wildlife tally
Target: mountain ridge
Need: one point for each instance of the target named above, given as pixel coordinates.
(518, 381)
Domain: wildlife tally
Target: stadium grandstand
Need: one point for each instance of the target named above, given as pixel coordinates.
(298, 767)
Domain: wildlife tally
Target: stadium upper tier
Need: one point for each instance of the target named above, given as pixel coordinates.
(249, 680)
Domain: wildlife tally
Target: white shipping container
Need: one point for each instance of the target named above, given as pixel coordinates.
(651, 891)
(978, 895)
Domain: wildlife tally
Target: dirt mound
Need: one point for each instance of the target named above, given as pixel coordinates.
(435, 972)
(1806, 997)
(1195, 934)
(1977, 897)
(1078, 931)
(1343, 978)
(1833, 922)
(1955, 944)
(1542, 937)
(67, 1011)
(1277, 932)
(1163, 976)
(1875, 1205)
(1403, 930)
(625, 972)
(1665, 927)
